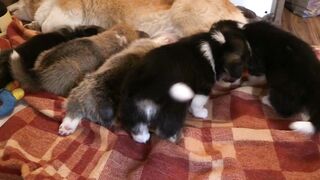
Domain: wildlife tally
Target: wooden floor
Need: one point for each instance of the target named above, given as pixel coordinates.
(306, 28)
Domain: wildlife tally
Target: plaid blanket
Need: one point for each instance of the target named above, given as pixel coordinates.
(241, 139)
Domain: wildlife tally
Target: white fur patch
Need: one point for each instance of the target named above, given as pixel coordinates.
(304, 127)
(148, 107)
(197, 106)
(122, 40)
(207, 53)
(265, 100)
(181, 92)
(142, 135)
(240, 25)
(68, 125)
(14, 55)
(58, 18)
(218, 36)
(173, 138)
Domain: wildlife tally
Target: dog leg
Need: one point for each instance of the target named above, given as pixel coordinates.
(69, 125)
(197, 106)
(255, 81)
(140, 133)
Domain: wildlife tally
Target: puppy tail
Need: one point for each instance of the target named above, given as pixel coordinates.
(181, 92)
(26, 78)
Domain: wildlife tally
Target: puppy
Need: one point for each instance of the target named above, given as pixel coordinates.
(97, 96)
(58, 70)
(31, 49)
(182, 17)
(157, 93)
(292, 72)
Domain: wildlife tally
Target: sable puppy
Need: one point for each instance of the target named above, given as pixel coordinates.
(58, 70)
(30, 50)
(183, 17)
(157, 93)
(97, 96)
(291, 69)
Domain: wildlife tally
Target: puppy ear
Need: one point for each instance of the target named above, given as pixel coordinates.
(90, 30)
(143, 34)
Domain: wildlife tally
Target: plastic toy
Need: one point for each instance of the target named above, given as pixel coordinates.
(9, 97)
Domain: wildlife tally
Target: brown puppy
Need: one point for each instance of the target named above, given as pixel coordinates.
(59, 69)
(183, 17)
(97, 96)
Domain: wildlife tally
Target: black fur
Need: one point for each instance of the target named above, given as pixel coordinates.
(30, 50)
(179, 62)
(292, 69)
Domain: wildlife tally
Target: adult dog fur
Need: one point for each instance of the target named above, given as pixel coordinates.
(97, 96)
(157, 93)
(58, 70)
(292, 71)
(30, 50)
(183, 17)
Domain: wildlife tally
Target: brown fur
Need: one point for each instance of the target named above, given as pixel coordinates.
(183, 17)
(60, 69)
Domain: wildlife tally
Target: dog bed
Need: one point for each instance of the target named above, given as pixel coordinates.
(241, 139)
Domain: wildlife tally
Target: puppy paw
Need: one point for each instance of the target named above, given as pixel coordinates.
(68, 126)
(141, 137)
(304, 127)
(265, 100)
(200, 113)
(173, 138)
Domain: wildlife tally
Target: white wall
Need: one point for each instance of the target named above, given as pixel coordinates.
(258, 6)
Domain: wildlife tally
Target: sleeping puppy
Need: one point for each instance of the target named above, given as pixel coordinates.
(58, 70)
(157, 93)
(30, 50)
(97, 96)
(291, 69)
(182, 17)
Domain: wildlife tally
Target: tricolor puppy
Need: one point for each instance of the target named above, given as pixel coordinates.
(97, 97)
(182, 17)
(60, 69)
(30, 50)
(291, 69)
(157, 93)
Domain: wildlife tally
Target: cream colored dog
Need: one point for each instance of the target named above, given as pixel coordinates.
(182, 17)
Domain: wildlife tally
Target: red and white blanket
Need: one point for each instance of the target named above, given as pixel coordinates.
(241, 139)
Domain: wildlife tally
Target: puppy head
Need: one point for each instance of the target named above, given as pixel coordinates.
(234, 49)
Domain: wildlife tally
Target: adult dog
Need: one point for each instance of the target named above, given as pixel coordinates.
(182, 17)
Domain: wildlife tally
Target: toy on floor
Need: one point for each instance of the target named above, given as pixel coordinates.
(9, 96)
(5, 19)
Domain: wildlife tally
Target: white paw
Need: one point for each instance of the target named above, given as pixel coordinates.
(141, 137)
(304, 127)
(265, 100)
(68, 126)
(200, 113)
(174, 138)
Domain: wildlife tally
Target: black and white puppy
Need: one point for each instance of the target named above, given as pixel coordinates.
(292, 72)
(157, 94)
(30, 50)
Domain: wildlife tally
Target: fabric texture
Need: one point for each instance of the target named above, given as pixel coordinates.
(241, 139)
